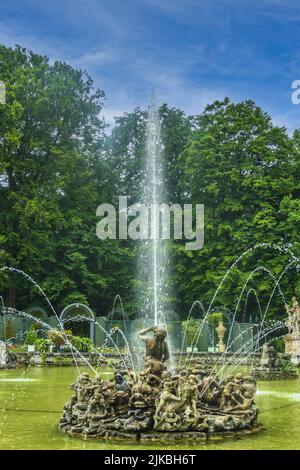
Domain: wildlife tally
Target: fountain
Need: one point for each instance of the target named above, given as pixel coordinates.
(273, 366)
(158, 403)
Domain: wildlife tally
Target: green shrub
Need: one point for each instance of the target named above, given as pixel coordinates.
(81, 344)
(42, 345)
(32, 335)
(278, 344)
(57, 337)
(214, 318)
(191, 328)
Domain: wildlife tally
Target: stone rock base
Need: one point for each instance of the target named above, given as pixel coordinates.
(264, 373)
(152, 436)
(295, 359)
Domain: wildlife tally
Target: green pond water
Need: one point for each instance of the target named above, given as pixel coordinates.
(31, 402)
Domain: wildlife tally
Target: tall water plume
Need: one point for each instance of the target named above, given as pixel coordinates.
(153, 260)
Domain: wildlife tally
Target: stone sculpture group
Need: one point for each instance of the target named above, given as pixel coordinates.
(292, 339)
(274, 366)
(157, 402)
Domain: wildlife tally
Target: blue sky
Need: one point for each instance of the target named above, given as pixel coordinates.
(191, 51)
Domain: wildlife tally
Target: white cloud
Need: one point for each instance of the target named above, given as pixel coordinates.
(97, 57)
(120, 53)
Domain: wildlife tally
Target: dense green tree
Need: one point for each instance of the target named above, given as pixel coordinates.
(57, 166)
(240, 166)
(53, 176)
(128, 150)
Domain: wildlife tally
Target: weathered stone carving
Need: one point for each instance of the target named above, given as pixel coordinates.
(274, 366)
(292, 339)
(8, 360)
(156, 346)
(293, 322)
(156, 401)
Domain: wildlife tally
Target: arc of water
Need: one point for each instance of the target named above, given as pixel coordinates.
(19, 271)
(118, 297)
(115, 345)
(249, 343)
(240, 350)
(127, 347)
(258, 335)
(237, 362)
(277, 283)
(249, 250)
(108, 335)
(48, 327)
(197, 302)
(250, 291)
(246, 353)
(281, 249)
(259, 268)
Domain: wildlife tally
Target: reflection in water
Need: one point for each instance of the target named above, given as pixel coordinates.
(18, 379)
(275, 393)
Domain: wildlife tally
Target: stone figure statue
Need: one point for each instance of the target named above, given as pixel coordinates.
(121, 383)
(189, 394)
(293, 321)
(273, 365)
(292, 339)
(268, 357)
(156, 346)
(264, 360)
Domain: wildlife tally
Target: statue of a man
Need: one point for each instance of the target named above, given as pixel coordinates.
(293, 312)
(156, 346)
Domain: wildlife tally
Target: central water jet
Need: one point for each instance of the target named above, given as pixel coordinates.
(153, 256)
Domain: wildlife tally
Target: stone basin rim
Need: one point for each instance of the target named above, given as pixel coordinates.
(167, 436)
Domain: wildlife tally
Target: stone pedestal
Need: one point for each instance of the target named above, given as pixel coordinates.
(292, 347)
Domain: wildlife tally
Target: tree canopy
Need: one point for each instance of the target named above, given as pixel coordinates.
(57, 164)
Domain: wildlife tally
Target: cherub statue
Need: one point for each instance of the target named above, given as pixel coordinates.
(229, 396)
(167, 396)
(97, 403)
(189, 394)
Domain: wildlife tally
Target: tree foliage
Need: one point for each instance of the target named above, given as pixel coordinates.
(57, 165)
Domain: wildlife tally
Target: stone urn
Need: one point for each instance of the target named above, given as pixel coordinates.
(221, 330)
